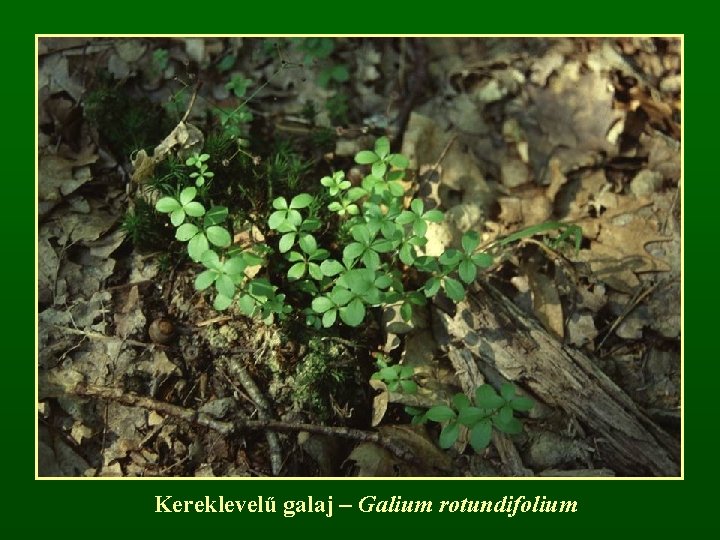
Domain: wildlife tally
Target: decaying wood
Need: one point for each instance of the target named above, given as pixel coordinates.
(488, 334)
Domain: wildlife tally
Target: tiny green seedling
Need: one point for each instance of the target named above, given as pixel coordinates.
(397, 378)
(202, 174)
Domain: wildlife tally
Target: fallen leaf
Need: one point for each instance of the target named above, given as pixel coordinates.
(380, 401)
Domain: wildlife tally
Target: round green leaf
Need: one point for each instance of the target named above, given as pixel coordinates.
(246, 303)
(251, 259)
(340, 296)
(432, 286)
(307, 243)
(383, 246)
(365, 157)
(286, 242)
(222, 302)
(435, 216)
(301, 201)
(409, 387)
(218, 236)
(406, 311)
(355, 193)
(167, 205)
(454, 289)
(234, 266)
(382, 147)
(440, 413)
(469, 416)
(480, 435)
(205, 279)
(470, 241)
(378, 169)
(331, 267)
(482, 260)
(361, 234)
(522, 403)
(353, 251)
(460, 401)
(451, 257)
(507, 391)
(277, 218)
(177, 217)
(406, 372)
(407, 254)
(419, 227)
(297, 270)
(261, 288)
(294, 218)
(389, 373)
(513, 427)
(280, 203)
(505, 414)
(225, 286)
(417, 206)
(487, 398)
(215, 215)
(371, 259)
(449, 434)
(467, 271)
(405, 217)
(194, 209)
(314, 271)
(197, 246)
(186, 231)
(187, 195)
(396, 188)
(211, 260)
(354, 313)
(322, 304)
(399, 161)
(329, 318)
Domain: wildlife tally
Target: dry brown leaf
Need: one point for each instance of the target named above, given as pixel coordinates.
(618, 253)
(130, 319)
(380, 401)
(546, 303)
(373, 460)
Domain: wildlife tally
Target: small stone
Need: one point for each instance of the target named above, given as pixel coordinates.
(645, 183)
(218, 408)
(513, 173)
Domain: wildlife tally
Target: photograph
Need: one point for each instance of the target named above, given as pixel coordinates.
(350, 256)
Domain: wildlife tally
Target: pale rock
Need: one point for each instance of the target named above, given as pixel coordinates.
(513, 172)
(646, 183)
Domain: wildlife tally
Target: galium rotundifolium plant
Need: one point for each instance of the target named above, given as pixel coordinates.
(374, 242)
(488, 410)
(380, 242)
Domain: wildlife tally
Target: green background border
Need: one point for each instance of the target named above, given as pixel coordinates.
(85, 508)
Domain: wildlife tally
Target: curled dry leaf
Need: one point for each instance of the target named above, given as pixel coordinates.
(380, 402)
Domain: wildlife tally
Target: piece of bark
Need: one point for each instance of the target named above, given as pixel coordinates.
(487, 333)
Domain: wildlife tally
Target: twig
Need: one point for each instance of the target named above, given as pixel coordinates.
(192, 102)
(238, 370)
(238, 424)
(670, 210)
(98, 335)
(629, 308)
(208, 322)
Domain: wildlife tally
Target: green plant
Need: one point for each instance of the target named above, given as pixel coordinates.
(341, 252)
(202, 174)
(397, 378)
(490, 410)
